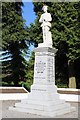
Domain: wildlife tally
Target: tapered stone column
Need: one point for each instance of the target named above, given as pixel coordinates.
(44, 68)
(43, 98)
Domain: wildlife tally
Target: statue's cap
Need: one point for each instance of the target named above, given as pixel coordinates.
(44, 6)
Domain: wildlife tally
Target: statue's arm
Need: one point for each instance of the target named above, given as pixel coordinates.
(41, 19)
(49, 17)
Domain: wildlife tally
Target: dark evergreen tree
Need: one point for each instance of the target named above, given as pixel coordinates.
(14, 44)
(30, 72)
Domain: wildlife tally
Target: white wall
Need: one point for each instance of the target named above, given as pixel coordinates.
(69, 97)
(20, 96)
(13, 96)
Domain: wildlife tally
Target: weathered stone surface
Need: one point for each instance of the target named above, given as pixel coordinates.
(43, 98)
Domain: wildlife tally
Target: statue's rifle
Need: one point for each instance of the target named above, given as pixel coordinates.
(44, 30)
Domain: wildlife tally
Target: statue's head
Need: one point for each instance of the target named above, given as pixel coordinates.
(45, 7)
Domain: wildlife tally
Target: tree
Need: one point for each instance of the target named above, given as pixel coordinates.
(30, 72)
(65, 33)
(68, 32)
(14, 68)
(14, 44)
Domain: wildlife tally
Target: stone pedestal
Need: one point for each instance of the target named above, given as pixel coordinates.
(43, 98)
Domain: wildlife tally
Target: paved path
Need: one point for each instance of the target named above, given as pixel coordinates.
(6, 113)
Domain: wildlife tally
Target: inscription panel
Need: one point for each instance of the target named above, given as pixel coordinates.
(40, 68)
(50, 69)
(44, 69)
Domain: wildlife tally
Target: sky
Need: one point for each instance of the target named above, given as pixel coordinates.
(28, 15)
(28, 12)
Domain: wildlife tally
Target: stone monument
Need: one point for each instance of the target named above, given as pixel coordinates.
(46, 25)
(43, 98)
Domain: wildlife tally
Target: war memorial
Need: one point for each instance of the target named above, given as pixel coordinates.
(43, 98)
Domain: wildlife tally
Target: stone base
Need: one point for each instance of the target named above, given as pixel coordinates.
(43, 100)
(45, 45)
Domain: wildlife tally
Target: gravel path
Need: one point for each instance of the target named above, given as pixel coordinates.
(6, 113)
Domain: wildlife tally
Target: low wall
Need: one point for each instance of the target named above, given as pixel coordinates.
(14, 96)
(69, 94)
(19, 93)
(13, 90)
(13, 93)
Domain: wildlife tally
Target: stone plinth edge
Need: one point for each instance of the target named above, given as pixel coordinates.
(45, 49)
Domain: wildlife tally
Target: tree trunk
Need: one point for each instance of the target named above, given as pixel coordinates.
(71, 71)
